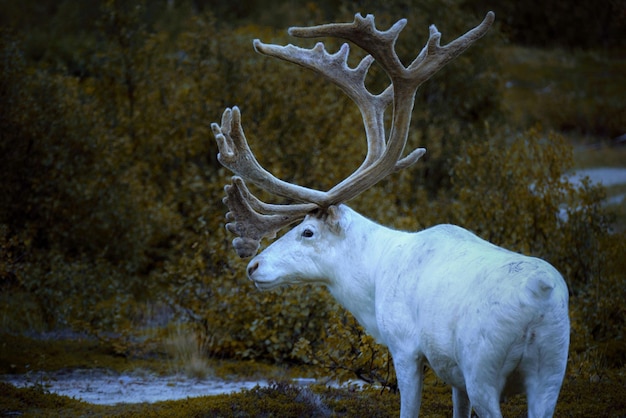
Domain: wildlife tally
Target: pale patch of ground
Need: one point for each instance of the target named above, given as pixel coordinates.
(100, 386)
(608, 176)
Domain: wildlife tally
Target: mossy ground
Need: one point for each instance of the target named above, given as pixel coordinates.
(20, 354)
(582, 395)
(579, 398)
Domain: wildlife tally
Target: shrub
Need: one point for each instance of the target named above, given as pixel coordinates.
(111, 186)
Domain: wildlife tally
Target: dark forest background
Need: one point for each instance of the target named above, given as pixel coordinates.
(111, 218)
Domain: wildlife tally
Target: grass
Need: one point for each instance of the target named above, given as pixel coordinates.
(17, 317)
(21, 354)
(580, 92)
(601, 155)
(579, 398)
(588, 390)
(186, 352)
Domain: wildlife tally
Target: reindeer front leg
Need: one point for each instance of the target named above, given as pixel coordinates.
(460, 403)
(410, 375)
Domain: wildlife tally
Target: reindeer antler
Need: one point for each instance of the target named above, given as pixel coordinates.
(254, 219)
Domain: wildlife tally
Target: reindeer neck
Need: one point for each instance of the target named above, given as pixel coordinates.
(365, 259)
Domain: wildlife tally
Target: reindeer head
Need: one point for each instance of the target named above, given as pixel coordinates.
(251, 219)
(305, 254)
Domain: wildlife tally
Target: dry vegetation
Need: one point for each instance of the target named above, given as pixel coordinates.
(111, 194)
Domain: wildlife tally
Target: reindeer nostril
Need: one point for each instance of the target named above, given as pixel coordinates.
(252, 268)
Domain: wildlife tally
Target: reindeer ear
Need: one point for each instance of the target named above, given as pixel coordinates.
(334, 217)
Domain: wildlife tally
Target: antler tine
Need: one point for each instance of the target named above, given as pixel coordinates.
(236, 155)
(381, 47)
(405, 81)
(381, 44)
(433, 56)
(362, 32)
(351, 80)
(253, 219)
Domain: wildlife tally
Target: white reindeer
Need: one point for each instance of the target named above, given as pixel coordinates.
(488, 321)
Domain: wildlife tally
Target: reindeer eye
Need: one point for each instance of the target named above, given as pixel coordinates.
(307, 233)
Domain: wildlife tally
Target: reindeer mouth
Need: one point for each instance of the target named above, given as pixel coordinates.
(266, 285)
